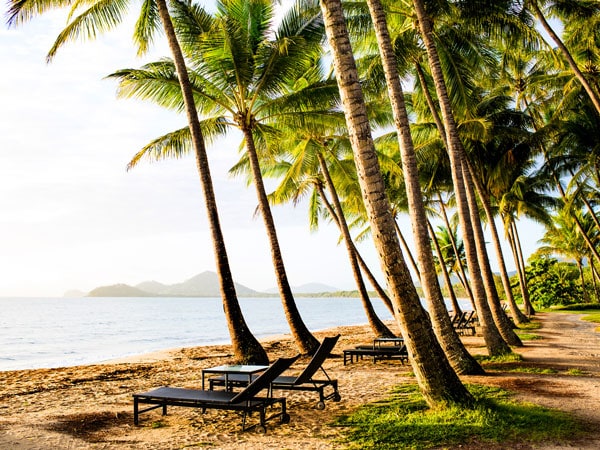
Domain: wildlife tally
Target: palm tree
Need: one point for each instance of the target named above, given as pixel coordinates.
(102, 16)
(243, 76)
(563, 238)
(458, 356)
(579, 12)
(494, 341)
(438, 381)
(441, 264)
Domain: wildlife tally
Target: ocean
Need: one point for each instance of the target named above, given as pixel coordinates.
(62, 332)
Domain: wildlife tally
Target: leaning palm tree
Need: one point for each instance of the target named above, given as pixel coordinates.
(438, 381)
(494, 341)
(458, 356)
(101, 16)
(250, 76)
(574, 12)
(303, 169)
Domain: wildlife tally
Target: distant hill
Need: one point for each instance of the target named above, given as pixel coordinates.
(118, 290)
(205, 284)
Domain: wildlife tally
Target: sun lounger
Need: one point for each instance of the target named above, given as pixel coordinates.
(398, 352)
(466, 323)
(245, 401)
(305, 381)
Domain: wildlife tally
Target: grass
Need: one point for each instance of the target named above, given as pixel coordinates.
(502, 359)
(528, 336)
(531, 325)
(404, 421)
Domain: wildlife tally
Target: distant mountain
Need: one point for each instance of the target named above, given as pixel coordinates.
(308, 288)
(205, 284)
(153, 287)
(118, 290)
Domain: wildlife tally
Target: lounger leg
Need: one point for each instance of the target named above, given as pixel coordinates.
(135, 411)
(164, 409)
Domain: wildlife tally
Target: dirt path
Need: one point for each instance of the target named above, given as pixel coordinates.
(90, 407)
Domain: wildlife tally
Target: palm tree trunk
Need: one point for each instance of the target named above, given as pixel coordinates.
(460, 359)
(500, 319)
(517, 315)
(305, 341)
(337, 213)
(406, 249)
(494, 341)
(584, 82)
(582, 277)
(438, 381)
(462, 275)
(519, 263)
(586, 238)
(378, 288)
(455, 306)
(246, 348)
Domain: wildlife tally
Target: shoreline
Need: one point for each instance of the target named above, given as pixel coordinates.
(171, 353)
(90, 406)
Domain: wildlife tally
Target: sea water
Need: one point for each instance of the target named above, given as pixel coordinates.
(60, 332)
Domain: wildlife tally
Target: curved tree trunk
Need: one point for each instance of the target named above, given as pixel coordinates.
(246, 348)
(455, 306)
(512, 239)
(517, 315)
(411, 258)
(305, 341)
(584, 82)
(500, 319)
(460, 273)
(380, 291)
(580, 228)
(457, 354)
(438, 381)
(378, 327)
(494, 341)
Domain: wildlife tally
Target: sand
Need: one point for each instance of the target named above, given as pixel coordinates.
(90, 407)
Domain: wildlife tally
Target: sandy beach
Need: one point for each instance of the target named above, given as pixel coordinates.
(90, 407)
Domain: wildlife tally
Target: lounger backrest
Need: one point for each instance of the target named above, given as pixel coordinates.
(318, 359)
(264, 379)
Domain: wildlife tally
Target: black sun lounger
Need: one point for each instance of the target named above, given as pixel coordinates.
(305, 381)
(245, 401)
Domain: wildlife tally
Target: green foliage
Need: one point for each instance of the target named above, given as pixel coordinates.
(552, 283)
(404, 421)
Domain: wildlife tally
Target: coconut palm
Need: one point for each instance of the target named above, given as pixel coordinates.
(494, 340)
(438, 381)
(88, 19)
(445, 332)
(581, 14)
(304, 157)
(248, 75)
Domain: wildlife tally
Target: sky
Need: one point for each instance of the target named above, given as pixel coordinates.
(72, 216)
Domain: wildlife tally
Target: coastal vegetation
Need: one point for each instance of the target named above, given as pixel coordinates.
(459, 114)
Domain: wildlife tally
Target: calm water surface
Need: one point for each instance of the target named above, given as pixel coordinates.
(58, 332)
